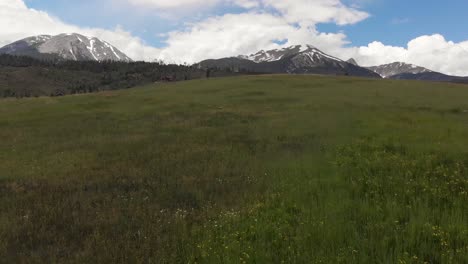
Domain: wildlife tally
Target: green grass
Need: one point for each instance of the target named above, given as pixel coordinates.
(270, 169)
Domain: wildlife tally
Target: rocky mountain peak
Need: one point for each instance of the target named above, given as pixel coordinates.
(396, 68)
(68, 46)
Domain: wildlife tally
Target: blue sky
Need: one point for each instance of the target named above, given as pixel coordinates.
(393, 22)
(431, 34)
(91, 13)
(396, 22)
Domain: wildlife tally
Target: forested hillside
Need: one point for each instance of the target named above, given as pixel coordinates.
(28, 77)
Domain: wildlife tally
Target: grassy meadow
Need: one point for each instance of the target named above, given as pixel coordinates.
(257, 169)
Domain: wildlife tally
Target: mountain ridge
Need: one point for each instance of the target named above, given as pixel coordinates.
(396, 68)
(407, 71)
(297, 59)
(352, 61)
(66, 46)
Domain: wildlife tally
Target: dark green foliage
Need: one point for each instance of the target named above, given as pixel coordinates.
(22, 76)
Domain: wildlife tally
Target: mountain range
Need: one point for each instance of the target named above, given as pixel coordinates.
(74, 47)
(397, 68)
(298, 59)
(306, 59)
(405, 71)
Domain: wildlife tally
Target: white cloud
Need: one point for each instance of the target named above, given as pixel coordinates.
(317, 11)
(235, 34)
(433, 52)
(230, 34)
(261, 26)
(295, 11)
(189, 4)
(174, 4)
(17, 21)
(246, 3)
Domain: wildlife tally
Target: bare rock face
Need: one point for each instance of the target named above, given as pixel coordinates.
(66, 46)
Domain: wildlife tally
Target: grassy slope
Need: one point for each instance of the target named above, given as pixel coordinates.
(271, 169)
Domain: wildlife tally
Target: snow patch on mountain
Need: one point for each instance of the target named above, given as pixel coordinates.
(69, 46)
(278, 54)
(396, 68)
(352, 61)
(73, 54)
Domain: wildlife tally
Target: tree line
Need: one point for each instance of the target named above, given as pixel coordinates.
(22, 76)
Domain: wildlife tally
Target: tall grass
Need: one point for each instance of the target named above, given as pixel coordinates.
(271, 169)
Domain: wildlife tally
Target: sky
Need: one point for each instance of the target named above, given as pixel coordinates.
(431, 34)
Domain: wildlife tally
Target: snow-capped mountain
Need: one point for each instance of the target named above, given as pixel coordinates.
(397, 68)
(405, 71)
(66, 46)
(352, 61)
(278, 54)
(299, 59)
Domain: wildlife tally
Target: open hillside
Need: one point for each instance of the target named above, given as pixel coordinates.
(252, 169)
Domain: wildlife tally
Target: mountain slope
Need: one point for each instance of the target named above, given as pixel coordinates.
(276, 54)
(430, 76)
(352, 61)
(396, 68)
(405, 71)
(65, 46)
(299, 59)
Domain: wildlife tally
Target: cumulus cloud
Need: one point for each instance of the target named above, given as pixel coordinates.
(17, 21)
(235, 34)
(246, 3)
(317, 11)
(432, 51)
(295, 21)
(173, 5)
(226, 35)
(263, 25)
(295, 11)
